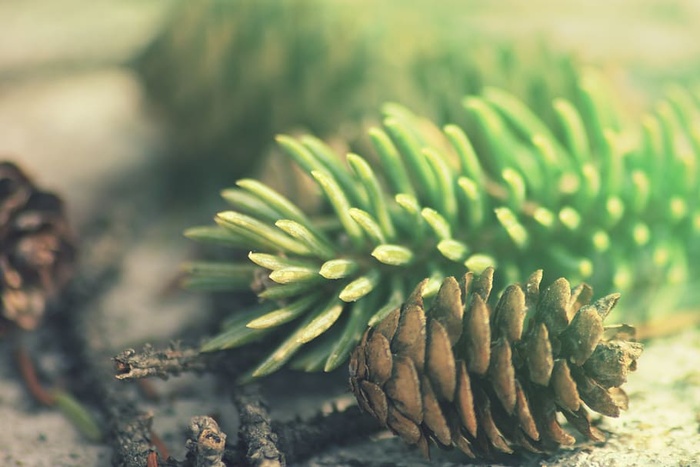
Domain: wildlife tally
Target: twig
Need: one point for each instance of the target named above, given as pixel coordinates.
(668, 325)
(256, 436)
(302, 439)
(28, 372)
(206, 442)
(152, 459)
(177, 359)
(261, 441)
(128, 429)
(159, 445)
(162, 363)
(148, 390)
(299, 439)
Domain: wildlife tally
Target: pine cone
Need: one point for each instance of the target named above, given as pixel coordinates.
(36, 248)
(491, 380)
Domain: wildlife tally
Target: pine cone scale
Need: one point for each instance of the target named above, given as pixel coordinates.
(509, 313)
(478, 336)
(409, 339)
(36, 248)
(487, 423)
(552, 433)
(524, 415)
(375, 401)
(582, 422)
(440, 362)
(408, 430)
(553, 306)
(595, 396)
(433, 417)
(611, 361)
(465, 400)
(539, 356)
(502, 374)
(379, 353)
(448, 309)
(580, 296)
(483, 284)
(587, 323)
(565, 391)
(478, 390)
(404, 389)
(388, 325)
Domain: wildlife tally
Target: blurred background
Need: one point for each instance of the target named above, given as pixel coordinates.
(198, 88)
(184, 97)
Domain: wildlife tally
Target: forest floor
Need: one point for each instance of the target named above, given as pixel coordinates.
(74, 115)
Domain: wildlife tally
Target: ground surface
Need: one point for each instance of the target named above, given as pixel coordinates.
(75, 117)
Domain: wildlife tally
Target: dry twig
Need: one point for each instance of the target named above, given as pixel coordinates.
(128, 429)
(162, 363)
(206, 443)
(178, 358)
(256, 436)
(301, 439)
(28, 372)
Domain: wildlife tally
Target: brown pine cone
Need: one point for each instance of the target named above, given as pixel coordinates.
(492, 380)
(36, 248)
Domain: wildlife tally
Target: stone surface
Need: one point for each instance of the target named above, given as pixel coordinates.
(660, 428)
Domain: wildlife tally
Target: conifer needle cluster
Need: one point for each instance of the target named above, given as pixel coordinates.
(592, 197)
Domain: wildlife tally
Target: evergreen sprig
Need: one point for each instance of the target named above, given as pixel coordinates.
(229, 75)
(596, 196)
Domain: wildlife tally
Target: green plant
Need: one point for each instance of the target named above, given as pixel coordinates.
(594, 196)
(228, 75)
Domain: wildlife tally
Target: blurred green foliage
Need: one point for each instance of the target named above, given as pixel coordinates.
(597, 197)
(227, 75)
(545, 165)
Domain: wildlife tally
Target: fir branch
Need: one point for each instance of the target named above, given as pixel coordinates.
(527, 197)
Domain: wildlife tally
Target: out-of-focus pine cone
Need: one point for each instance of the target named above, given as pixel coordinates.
(37, 251)
(491, 380)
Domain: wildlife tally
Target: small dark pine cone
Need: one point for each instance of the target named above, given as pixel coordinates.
(36, 248)
(491, 380)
